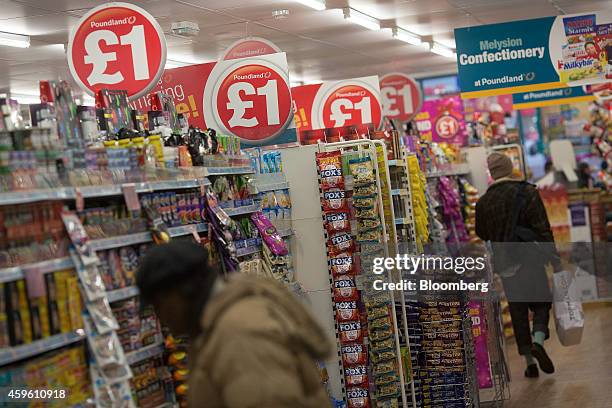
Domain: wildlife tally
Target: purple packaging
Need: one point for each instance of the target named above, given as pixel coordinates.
(269, 234)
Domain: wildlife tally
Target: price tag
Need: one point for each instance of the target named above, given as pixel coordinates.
(400, 96)
(351, 105)
(254, 102)
(117, 46)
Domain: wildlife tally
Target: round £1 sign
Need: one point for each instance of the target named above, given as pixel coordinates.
(349, 105)
(117, 46)
(401, 96)
(253, 102)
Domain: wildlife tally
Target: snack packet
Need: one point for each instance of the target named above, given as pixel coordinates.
(330, 169)
(354, 354)
(366, 189)
(339, 243)
(358, 397)
(356, 376)
(345, 289)
(346, 311)
(337, 221)
(362, 170)
(269, 234)
(350, 332)
(341, 264)
(334, 200)
(364, 201)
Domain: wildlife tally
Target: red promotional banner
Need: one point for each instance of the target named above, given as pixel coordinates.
(400, 96)
(250, 47)
(441, 120)
(337, 104)
(249, 98)
(117, 46)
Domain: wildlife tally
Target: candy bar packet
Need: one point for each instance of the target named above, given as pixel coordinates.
(339, 243)
(350, 332)
(356, 375)
(358, 397)
(330, 169)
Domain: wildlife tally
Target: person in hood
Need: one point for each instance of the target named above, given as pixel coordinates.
(253, 344)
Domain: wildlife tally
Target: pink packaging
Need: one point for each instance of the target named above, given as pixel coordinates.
(269, 234)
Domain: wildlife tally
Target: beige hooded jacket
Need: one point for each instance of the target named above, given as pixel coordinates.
(258, 349)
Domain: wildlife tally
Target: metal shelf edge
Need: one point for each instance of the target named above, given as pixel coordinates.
(21, 352)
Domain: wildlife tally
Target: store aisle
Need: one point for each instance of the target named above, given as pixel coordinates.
(583, 376)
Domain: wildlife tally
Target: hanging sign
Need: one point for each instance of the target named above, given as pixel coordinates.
(250, 47)
(550, 97)
(249, 98)
(400, 96)
(442, 121)
(117, 46)
(534, 55)
(338, 104)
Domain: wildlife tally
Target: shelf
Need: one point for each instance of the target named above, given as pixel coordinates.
(122, 294)
(272, 186)
(397, 162)
(143, 237)
(247, 209)
(402, 221)
(17, 353)
(399, 192)
(285, 232)
(69, 193)
(144, 353)
(219, 171)
(18, 272)
(455, 170)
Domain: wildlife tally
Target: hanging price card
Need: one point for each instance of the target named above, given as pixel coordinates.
(117, 46)
(400, 96)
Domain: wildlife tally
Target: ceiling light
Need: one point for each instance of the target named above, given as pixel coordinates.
(443, 51)
(14, 40)
(408, 37)
(315, 4)
(362, 19)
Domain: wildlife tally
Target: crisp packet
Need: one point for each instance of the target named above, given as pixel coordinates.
(387, 403)
(269, 234)
(350, 332)
(330, 170)
(366, 189)
(362, 170)
(334, 200)
(102, 315)
(341, 264)
(339, 243)
(367, 212)
(373, 235)
(385, 367)
(356, 375)
(345, 289)
(337, 221)
(364, 201)
(353, 354)
(364, 224)
(358, 397)
(346, 311)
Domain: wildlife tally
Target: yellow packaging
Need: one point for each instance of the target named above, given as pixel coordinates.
(24, 311)
(155, 141)
(62, 300)
(74, 303)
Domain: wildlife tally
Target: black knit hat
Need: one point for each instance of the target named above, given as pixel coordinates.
(178, 263)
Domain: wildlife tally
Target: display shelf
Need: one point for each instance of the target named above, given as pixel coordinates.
(397, 162)
(285, 232)
(17, 353)
(454, 170)
(18, 272)
(402, 221)
(220, 171)
(144, 353)
(246, 209)
(399, 192)
(122, 294)
(272, 186)
(70, 193)
(143, 237)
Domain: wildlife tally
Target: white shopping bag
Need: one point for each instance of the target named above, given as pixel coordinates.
(569, 316)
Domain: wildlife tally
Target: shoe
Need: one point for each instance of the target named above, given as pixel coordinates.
(544, 361)
(532, 371)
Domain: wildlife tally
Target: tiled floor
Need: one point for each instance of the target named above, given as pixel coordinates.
(583, 376)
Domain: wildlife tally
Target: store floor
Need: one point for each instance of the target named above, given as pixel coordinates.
(583, 376)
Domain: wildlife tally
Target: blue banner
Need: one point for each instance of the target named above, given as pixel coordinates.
(532, 55)
(559, 96)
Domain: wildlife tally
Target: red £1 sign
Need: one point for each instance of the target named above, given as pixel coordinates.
(400, 96)
(117, 46)
(254, 102)
(351, 105)
(447, 127)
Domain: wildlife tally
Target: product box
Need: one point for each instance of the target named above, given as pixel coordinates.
(74, 303)
(5, 341)
(20, 326)
(40, 318)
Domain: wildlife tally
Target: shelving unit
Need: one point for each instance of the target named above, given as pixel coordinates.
(13, 354)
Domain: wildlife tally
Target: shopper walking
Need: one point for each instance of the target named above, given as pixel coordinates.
(512, 217)
(254, 345)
